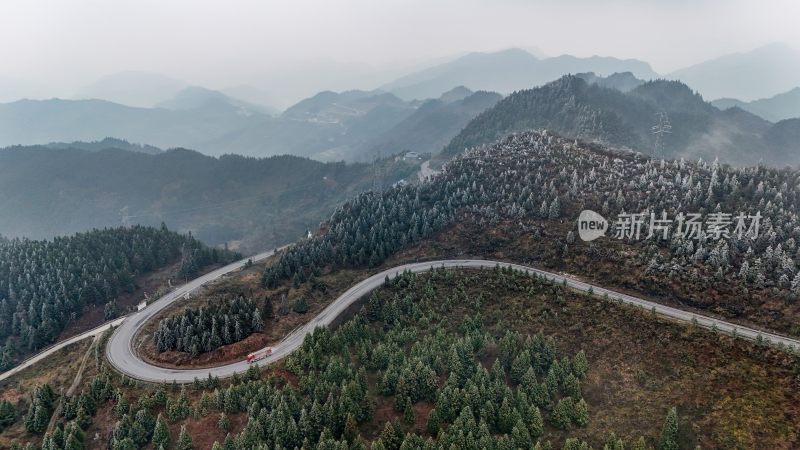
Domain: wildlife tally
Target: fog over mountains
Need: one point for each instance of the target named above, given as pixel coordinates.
(760, 73)
(132, 88)
(506, 71)
(779, 107)
(420, 111)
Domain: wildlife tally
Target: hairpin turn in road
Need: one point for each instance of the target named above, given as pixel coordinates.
(122, 356)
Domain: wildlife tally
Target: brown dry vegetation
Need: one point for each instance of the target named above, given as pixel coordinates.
(729, 393)
(247, 283)
(610, 263)
(58, 370)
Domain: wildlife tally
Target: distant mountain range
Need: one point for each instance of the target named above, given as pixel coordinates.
(41, 121)
(132, 88)
(780, 107)
(760, 73)
(195, 97)
(421, 111)
(506, 71)
(573, 107)
(330, 126)
(433, 124)
(148, 90)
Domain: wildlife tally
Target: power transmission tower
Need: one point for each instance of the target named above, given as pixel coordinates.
(661, 128)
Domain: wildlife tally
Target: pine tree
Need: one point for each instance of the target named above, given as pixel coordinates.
(536, 425)
(224, 423)
(124, 444)
(581, 417)
(669, 432)
(579, 364)
(83, 418)
(555, 209)
(640, 444)
(8, 414)
(575, 444)
(505, 417)
(184, 440)
(562, 414)
(572, 387)
(300, 305)
(74, 439)
(408, 413)
(37, 419)
(520, 366)
(350, 428)
(392, 437)
(257, 323)
(520, 436)
(613, 443)
(433, 422)
(161, 435)
(543, 210)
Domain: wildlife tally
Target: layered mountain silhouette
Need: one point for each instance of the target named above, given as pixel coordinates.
(691, 127)
(433, 124)
(760, 73)
(351, 125)
(776, 108)
(41, 121)
(195, 97)
(132, 88)
(507, 71)
(614, 104)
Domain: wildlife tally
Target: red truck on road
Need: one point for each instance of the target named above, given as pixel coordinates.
(259, 355)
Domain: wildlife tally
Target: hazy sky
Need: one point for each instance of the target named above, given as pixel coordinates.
(64, 44)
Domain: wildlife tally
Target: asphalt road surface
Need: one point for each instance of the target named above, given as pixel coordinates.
(122, 356)
(58, 346)
(119, 349)
(142, 315)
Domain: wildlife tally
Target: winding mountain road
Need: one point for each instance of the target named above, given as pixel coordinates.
(122, 356)
(141, 316)
(59, 345)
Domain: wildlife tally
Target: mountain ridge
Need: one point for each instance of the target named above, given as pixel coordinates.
(779, 107)
(758, 73)
(506, 71)
(572, 107)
